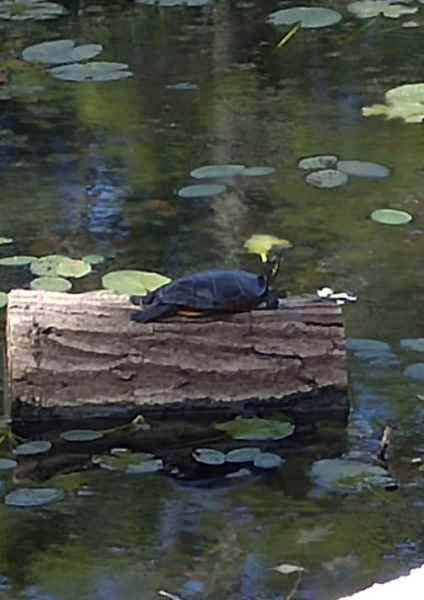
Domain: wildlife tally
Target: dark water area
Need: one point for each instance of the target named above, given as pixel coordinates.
(94, 168)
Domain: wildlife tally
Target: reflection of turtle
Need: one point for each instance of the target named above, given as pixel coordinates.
(211, 292)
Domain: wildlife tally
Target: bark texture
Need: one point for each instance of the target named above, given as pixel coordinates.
(79, 355)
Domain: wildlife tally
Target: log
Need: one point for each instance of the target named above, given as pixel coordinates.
(78, 356)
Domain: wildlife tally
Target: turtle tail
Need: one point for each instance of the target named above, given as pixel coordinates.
(153, 313)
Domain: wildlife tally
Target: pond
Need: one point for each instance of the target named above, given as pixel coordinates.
(96, 168)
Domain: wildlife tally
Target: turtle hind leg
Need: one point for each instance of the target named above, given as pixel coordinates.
(153, 313)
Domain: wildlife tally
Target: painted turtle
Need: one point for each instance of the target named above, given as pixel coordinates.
(211, 292)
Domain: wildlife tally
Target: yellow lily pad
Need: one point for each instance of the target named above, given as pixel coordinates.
(261, 244)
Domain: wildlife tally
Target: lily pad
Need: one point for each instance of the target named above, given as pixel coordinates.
(4, 299)
(7, 464)
(70, 267)
(415, 371)
(6, 240)
(208, 456)
(217, 171)
(16, 261)
(31, 448)
(47, 266)
(366, 9)
(202, 190)
(318, 162)
(93, 71)
(362, 168)
(256, 429)
(261, 244)
(287, 569)
(416, 344)
(81, 435)
(33, 497)
(136, 463)
(308, 16)
(242, 455)
(376, 352)
(59, 52)
(404, 102)
(339, 474)
(24, 10)
(257, 171)
(388, 216)
(93, 259)
(172, 3)
(326, 178)
(51, 284)
(267, 460)
(137, 283)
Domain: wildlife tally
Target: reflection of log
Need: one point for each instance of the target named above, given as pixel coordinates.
(77, 356)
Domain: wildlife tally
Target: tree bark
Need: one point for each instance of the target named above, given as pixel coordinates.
(78, 356)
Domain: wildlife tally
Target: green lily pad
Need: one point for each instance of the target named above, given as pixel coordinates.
(416, 344)
(267, 460)
(256, 429)
(404, 102)
(257, 171)
(326, 178)
(93, 71)
(208, 456)
(24, 10)
(388, 216)
(415, 371)
(137, 283)
(30, 448)
(6, 240)
(60, 52)
(93, 259)
(70, 267)
(16, 261)
(344, 475)
(308, 16)
(217, 171)
(366, 9)
(136, 463)
(318, 162)
(33, 497)
(362, 168)
(47, 266)
(7, 464)
(202, 190)
(242, 455)
(174, 3)
(4, 299)
(81, 435)
(287, 569)
(51, 284)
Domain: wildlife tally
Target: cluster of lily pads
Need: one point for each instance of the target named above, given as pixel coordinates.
(209, 190)
(24, 10)
(403, 102)
(64, 61)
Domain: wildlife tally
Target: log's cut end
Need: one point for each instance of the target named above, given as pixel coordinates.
(79, 355)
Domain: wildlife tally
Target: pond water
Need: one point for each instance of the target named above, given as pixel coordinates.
(95, 168)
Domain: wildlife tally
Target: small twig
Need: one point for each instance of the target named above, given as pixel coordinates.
(168, 595)
(295, 587)
(385, 444)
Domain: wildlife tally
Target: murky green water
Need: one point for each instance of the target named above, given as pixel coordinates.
(99, 172)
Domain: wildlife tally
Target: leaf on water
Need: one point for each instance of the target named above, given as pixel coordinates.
(318, 162)
(4, 298)
(91, 72)
(256, 429)
(404, 102)
(208, 456)
(81, 435)
(93, 259)
(242, 455)
(24, 10)
(366, 9)
(30, 448)
(60, 52)
(47, 266)
(7, 464)
(257, 171)
(6, 240)
(16, 261)
(137, 283)
(288, 569)
(363, 168)
(308, 16)
(260, 243)
(415, 371)
(202, 190)
(69, 267)
(137, 463)
(217, 171)
(51, 284)
(291, 33)
(389, 216)
(416, 344)
(173, 3)
(267, 460)
(326, 178)
(343, 475)
(33, 497)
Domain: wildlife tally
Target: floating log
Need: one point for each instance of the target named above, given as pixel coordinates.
(78, 356)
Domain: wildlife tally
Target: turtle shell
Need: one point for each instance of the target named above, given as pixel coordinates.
(228, 291)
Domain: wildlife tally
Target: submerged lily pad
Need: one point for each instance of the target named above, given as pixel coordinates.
(202, 190)
(51, 284)
(30, 448)
(217, 171)
(136, 463)
(70, 267)
(208, 456)
(16, 261)
(93, 259)
(404, 102)
(93, 71)
(366, 9)
(257, 171)
(32, 497)
(6, 240)
(388, 216)
(308, 16)
(339, 474)
(60, 52)
(415, 371)
(261, 244)
(81, 435)
(7, 464)
(256, 429)
(326, 178)
(362, 168)
(4, 299)
(267, 460)
(137, 283)
(318, 162)
(24, 10)
(242, 455)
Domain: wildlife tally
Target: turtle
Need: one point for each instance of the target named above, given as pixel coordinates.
(208, 292)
